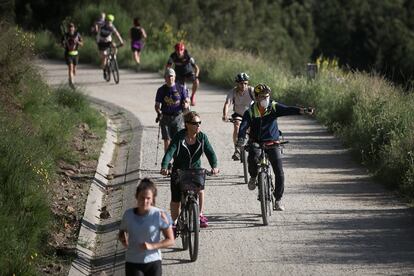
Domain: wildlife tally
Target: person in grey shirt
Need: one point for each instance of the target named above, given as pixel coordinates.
(140, 232)
(241, 97)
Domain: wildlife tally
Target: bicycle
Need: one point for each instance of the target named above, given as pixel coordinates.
(265, 181)
(243, 156)
(112, 66)
(191, 181)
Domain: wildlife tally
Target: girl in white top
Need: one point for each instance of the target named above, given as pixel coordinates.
(140, 232)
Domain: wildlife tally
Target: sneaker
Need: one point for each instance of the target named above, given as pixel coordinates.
(203, 221)
(193, 102)
(252, 183)
(236, 156)
(279, 206)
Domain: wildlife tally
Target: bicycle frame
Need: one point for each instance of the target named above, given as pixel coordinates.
(188, 224)
(112, 65)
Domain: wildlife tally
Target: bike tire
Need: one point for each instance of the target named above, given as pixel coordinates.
(115, 70)
(262, 183)
(184, 231)
(243, 158)
(194, 230)
(269, 195)
(108, 71)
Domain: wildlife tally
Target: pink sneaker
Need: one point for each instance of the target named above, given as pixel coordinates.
(203, 221)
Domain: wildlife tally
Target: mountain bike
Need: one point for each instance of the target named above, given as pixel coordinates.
(265, 180)
(191, 181)
(112, 65)
(243, 156)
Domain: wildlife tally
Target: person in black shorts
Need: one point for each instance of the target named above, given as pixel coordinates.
(71, 41)
(185, 67)
(105, 40)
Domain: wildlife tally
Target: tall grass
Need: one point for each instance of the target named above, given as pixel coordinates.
(36, 126)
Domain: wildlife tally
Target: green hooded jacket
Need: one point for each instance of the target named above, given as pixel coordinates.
(181, 154)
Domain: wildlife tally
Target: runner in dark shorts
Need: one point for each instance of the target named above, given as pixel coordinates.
(71, 41)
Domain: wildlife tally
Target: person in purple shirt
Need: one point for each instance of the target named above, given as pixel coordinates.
(170, 102)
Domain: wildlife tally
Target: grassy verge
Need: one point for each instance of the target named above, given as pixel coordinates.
(372, 116)
(36, 126)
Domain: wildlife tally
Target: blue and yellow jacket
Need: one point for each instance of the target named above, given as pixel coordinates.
(264, 127)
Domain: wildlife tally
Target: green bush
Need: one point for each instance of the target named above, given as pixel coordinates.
(36, 127)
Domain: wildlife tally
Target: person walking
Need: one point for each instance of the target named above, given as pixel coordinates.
(186, 149)
(140, 233)
(261, 118)
(71, 41)
(241, 97)
(186, 68)
(138, 36)
(170, 102)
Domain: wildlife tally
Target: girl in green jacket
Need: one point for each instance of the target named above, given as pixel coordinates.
(187, 147)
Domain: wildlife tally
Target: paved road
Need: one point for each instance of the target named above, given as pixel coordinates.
(337, 220)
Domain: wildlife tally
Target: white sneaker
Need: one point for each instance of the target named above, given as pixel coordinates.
(252, 183)
(279, 206)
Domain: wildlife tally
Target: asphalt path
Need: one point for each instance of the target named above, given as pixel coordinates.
(337, 221)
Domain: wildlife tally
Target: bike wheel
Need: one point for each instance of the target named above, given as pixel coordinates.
(262, 183)
(108, 71)
(269, 195)
(194, 230)
(243, 158)
(184, 231)
(115, 70)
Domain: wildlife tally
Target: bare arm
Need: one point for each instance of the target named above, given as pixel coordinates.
(122, 238)
(165, 243)
(157, 108)
(196, 70)
(225, 109)
(144, 34)
(121, 41)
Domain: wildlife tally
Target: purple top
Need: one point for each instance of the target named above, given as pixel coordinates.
(171, 98)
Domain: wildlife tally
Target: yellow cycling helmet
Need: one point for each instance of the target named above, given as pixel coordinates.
(110, 17)
(262, 89)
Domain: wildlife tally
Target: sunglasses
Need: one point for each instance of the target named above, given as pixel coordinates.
(194, 123)
(243, 83)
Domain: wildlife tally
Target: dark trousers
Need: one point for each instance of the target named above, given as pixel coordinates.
(275, 158)
(148, 269)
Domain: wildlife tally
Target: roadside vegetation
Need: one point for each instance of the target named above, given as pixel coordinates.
(37, 124)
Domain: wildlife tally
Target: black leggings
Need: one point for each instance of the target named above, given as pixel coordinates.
(275, 158)
(148, 269)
